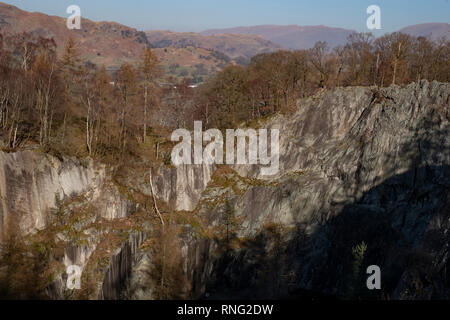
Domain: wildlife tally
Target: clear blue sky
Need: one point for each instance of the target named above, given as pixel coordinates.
(198, 15)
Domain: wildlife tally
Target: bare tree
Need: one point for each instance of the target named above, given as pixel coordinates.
(127, 85)
(148, 70)
(318, 58)
(44, 76)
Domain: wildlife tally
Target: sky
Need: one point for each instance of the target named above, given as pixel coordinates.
(199, 15)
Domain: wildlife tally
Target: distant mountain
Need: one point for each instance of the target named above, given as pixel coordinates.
(233, 46)
(112, 44)
(291, 36)
(435, 30)
(106, 43)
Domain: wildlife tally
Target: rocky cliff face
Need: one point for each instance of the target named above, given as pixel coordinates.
(356, 165)
(30, 183)
(84, 217)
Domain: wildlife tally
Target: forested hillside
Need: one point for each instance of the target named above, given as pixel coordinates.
(67, 104)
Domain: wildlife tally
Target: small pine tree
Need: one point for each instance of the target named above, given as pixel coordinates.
(230, 221)
(358, 253)
(59, 211)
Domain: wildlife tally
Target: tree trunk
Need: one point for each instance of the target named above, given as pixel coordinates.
(154, 200)
(145, 113)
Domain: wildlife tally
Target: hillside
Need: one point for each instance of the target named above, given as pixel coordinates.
(112, 44)
(106, 43)
(196, 63)
(304, 37)
(234, 46)
(292, 36)
(435, 30)
(109, 43)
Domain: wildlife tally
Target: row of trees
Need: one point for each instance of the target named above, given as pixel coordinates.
(70, 104)
(274, 81)
(27, 88)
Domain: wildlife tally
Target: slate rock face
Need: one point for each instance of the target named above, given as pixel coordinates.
(30, 182)
(357, 165)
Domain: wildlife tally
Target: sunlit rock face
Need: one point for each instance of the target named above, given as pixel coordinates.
(342, 143)
(30, 183)
(182, 186)
(356, 165)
